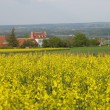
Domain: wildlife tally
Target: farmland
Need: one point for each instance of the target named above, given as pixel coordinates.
(90, 50)
(30, 50)
(75, 50)
(53, 81)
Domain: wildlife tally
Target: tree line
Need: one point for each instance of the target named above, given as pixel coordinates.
(79, 40)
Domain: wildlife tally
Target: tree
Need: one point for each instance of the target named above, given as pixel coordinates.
(28, 43)
(45, 43)
(12, 39)
(52, 42)
(80, 40)
(94, 42)
(66, 42)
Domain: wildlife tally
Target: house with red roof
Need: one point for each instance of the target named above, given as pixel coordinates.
(3, 40)
(22, 40)
(36, 37)
(39, 37)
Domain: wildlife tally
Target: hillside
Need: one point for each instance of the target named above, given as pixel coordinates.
(90, 29)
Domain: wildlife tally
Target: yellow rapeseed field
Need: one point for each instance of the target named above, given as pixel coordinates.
(54, 82)
(24, 50)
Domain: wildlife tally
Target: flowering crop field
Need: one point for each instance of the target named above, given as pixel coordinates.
(54, 82)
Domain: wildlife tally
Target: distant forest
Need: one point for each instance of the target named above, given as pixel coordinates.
(68, 29)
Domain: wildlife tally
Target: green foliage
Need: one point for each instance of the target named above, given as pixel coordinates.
(94, 42)
(70, 42)
(52, 42)
(58, 42)
(45, 43)
(91, 50)
(12, 39)
(80, 40)
(29, 43)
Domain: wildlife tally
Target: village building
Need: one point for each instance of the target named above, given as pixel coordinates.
(22, 40)
(36, 37)
(3, 40)
(39, 37)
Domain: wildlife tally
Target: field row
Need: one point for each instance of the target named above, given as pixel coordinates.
(75, 50)
(31, 50)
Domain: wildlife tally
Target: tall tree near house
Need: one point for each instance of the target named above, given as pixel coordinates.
(12, 39)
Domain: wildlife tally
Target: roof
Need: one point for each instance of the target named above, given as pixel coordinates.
(38, 35)
(3, 40)
(22, 40)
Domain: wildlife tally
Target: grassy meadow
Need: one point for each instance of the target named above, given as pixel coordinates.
(91, 50)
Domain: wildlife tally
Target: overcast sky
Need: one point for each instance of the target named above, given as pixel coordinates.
(53, 11)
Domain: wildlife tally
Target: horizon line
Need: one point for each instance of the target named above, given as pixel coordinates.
(50, 23)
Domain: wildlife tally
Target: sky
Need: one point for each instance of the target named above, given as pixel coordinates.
(53, 11)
